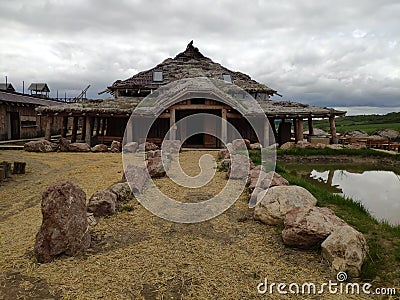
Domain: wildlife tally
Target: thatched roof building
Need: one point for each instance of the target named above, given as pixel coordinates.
(110, 116)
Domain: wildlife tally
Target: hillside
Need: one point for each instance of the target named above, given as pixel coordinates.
(367, 123)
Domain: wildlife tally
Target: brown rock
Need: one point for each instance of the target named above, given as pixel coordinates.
(122, 191)
(130, 147)
(100, 148)
(64, 145)
(239, 167)
(304, 145)
(307, 227)
(79, 147)
(279, 200)
(147, 146)
(155, 166)
(223, 154)
(102, 203)
(288, 145)
(171, 146)
(266, 180)
(64, 228)
(136, 176)
(239, 144)
(345, 249)
(40, 146)
(255, 146)
(115, 147)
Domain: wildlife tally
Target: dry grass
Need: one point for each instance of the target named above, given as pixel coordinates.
(136, 255)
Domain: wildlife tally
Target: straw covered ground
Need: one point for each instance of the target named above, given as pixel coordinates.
(136, 255)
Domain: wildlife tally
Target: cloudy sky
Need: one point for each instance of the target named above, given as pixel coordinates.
(312, 51)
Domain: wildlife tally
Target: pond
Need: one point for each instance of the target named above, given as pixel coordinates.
(377, 190)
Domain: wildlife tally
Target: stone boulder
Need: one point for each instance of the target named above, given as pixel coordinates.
(40, 146)
(115, 147)
(171, 146)
(136, 176)
(335, 146)
(64, 228)
(266, 180)
(288, 145)
(309, 226)
(122, 191)
(345, 249)
(240, 167)
(255, 146)
(319, 146)
(130, 147)
(223, 154)
(355, 146)
(357, 134)
(100, 148)
(102, 203)
(272, 147)
(147, 146)
(79, 147)
(239, 144)
(388, 134)
(155, 167)
(279, 200)
(304, 145)
(64, 144)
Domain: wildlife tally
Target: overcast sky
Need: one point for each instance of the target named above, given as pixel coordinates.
(331, 53)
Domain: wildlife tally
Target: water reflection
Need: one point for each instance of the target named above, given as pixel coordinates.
(379, 191)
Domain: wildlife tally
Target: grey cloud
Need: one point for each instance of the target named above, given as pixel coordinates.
(310, 51)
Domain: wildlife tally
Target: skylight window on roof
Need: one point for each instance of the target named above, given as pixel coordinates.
(157, 76)
(227, 78)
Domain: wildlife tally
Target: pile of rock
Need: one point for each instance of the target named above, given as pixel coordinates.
(66, 218)
(307, 226)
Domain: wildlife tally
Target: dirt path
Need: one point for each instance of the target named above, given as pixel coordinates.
(136, 255)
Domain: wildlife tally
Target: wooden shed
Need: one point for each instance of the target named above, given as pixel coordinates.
(18, 118)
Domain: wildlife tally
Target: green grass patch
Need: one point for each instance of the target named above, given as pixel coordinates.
(330, 152)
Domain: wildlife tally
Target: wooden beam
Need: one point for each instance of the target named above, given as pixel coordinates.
(74, 129)
(88, 135)
(333, 129)
(310, 127)
(64, 127)
(172, 125)
(49, 120)
(199, 106)
(224, 126)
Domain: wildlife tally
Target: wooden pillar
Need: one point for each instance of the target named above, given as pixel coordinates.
(98, 119)
(224, 126)
(74, 129)
(333, 129)
(83, 133)
(172, 135)
(273, 127)
(64, 128)
(103, 125)
(310, 127)
(266, 141)
(300, 129)
(295, 130)
(88, 135)
(47, 135)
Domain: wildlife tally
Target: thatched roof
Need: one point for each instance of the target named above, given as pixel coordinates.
(39, 87)
(124, 106)
(188, 64)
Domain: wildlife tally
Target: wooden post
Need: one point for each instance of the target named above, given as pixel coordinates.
(47, 135)
(272, 124)
(83, 135)
(88, 135)
(224, 126)
(172, 125)
(266, 141)
(64, 128)
(333, 129)
(74, 129)
(300, 129)
(19, 167)
(103, 125)
(97, 125)
(310, 127)
(7, 169)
